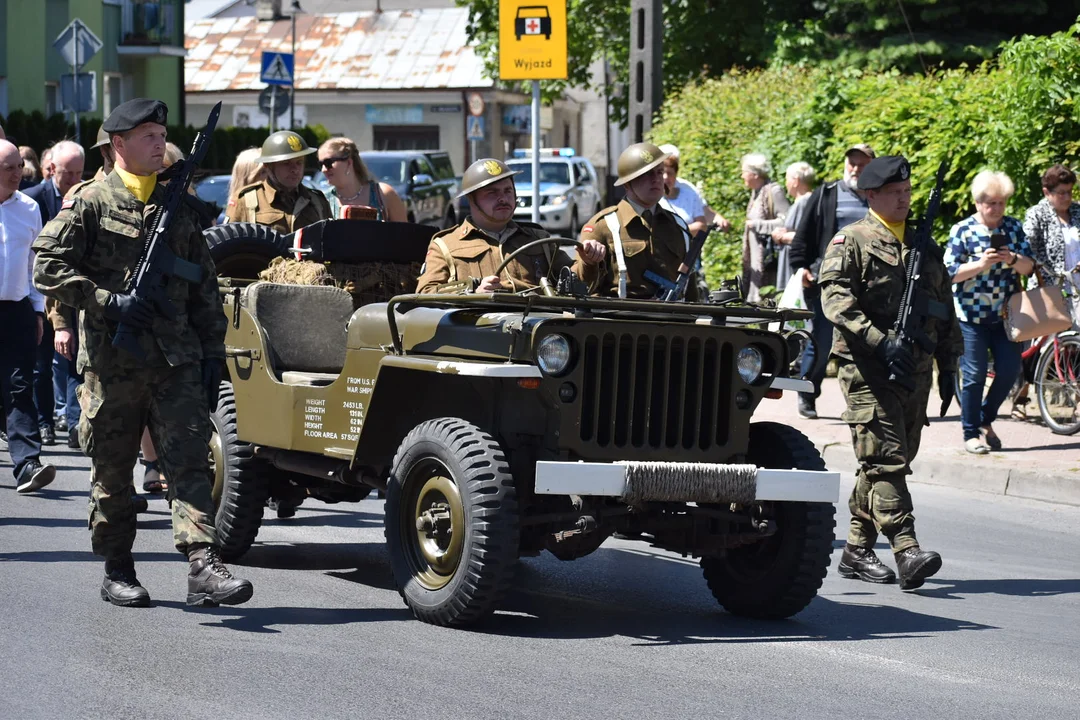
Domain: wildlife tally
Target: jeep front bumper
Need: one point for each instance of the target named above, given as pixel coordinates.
(686, 482)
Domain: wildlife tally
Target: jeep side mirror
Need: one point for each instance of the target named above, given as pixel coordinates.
(421, 179)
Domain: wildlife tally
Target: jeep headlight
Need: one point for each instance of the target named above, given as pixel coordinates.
(553, 354)
(554, 200)
(750, 363)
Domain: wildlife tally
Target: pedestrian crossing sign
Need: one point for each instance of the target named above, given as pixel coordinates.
(474, 127)
(277, 68)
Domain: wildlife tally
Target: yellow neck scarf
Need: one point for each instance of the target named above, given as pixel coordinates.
(897, 229)
(140, 185)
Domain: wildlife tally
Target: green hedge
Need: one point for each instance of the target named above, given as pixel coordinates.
(1018, 114)
(39, 132)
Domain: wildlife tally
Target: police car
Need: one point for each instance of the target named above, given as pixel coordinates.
(569, 189)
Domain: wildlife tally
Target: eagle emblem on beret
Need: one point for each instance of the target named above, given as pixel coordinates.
(294, 143)
(646, 156)
(905, 171)
(493, 168)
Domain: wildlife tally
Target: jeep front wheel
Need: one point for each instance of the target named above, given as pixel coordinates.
(239, 493)
(778, 576)
(452, 523)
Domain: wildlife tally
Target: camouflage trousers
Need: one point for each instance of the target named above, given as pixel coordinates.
(886, 426)
(172, 403)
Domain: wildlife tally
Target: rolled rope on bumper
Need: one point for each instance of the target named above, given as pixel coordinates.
(690, 482)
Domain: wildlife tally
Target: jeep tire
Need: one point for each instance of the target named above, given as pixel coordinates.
(243, 250)
(452, 525)
(779, 576)
(239, 492)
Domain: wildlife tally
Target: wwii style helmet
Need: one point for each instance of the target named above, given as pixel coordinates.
(484, 172)
(102, 138)
(637, 160)
(283, 145)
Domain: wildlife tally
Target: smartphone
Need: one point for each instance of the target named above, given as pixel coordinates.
(999, 240)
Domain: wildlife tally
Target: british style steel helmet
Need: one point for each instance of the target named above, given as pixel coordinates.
(283, 145)
(484, 172)
(637, 160)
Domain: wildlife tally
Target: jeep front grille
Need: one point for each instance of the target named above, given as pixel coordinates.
(649, 391)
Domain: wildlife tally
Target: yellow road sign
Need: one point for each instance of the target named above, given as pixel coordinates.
(532, 39)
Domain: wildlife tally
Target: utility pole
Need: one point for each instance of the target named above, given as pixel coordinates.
(646, 64)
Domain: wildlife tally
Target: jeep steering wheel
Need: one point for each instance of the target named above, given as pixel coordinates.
(543, 241)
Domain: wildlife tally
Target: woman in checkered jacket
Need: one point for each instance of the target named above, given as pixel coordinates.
(986, 254)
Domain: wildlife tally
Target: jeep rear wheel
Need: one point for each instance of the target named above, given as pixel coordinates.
(452, 523)
(239, 493)
(243, 250)
(780, 575)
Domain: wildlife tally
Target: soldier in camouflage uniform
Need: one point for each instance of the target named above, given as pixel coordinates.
(281, 200)
(639, 233)
(862, 282)
(467, 254)
(85, 258)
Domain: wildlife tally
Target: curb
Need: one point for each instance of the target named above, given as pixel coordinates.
(1027, 484)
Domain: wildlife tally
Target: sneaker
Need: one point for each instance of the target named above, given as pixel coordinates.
(807, 408)
(210, 583)
(976, 446)
(48, 435)
(34, 476)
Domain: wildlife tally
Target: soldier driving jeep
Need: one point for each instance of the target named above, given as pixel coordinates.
(464, 258)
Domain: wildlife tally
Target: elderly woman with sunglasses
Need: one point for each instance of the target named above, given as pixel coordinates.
(353, 184)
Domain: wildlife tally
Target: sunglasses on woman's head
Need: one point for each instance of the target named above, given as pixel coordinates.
(330, 161)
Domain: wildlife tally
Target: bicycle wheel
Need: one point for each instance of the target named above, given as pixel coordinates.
(1057, 381)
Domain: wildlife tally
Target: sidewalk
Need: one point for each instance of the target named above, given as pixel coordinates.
(1035, 463)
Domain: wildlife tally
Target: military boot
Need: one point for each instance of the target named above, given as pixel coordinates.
(120, 586)
(210, 583)
(863, 564)
(915, 565)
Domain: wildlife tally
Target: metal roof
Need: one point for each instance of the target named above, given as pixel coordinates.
(393, 50)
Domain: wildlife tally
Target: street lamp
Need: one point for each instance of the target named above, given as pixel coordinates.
(295, 8)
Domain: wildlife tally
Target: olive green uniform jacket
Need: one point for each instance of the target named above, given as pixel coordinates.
(465, 251)
(286, 212)
(659, 245)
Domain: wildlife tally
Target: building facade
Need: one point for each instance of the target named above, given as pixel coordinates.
(142, 53)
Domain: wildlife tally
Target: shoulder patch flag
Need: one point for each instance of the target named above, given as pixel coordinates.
(838, 240)
(587, 228)
(68, 203)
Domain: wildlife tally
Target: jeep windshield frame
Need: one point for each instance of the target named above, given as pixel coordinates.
(591, 306)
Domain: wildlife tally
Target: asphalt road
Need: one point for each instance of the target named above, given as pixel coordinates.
(628, 632)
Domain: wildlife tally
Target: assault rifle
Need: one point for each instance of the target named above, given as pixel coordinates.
(915, 307)
(158, 263)
(669, 291)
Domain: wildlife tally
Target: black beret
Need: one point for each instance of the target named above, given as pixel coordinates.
(884, 170)
(133, 113)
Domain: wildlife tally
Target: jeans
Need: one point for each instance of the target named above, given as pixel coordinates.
(814, 363)
(975, 411)
(43, 378)
(65, 384)
(18, 351)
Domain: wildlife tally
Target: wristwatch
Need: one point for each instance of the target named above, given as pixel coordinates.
(1012, 261)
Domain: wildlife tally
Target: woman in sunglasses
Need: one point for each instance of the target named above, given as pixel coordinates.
(354, 186)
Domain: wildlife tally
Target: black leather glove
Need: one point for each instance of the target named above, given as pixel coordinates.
(129, 310)
(211, 380)
(897, 357)
(946, 388)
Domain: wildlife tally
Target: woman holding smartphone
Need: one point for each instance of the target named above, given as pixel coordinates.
(985, 256)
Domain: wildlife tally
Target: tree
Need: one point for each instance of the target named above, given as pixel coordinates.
(701, 37)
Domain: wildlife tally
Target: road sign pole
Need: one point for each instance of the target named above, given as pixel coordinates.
(75, 84)
(472, 153)
(536, 151)
(273, 110)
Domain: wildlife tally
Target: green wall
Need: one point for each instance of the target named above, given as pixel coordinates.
(24, 39)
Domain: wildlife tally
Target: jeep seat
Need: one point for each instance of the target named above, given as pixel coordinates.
(305, 329)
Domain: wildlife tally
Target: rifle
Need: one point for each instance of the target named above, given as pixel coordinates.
(669, 291)
(158, 262)
(915, 306)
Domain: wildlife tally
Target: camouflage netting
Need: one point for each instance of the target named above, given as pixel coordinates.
(366, 282)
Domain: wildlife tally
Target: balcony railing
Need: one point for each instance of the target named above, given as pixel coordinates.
(151, 22)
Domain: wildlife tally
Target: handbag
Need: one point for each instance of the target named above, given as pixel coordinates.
(1036, 312)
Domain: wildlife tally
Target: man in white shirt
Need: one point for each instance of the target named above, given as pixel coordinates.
(21, 323)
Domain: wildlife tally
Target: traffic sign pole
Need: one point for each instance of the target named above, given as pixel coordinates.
(535, 151)
(273, 111)
(75, 85)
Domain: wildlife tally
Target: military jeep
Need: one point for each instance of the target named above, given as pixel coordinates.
(504, 425)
